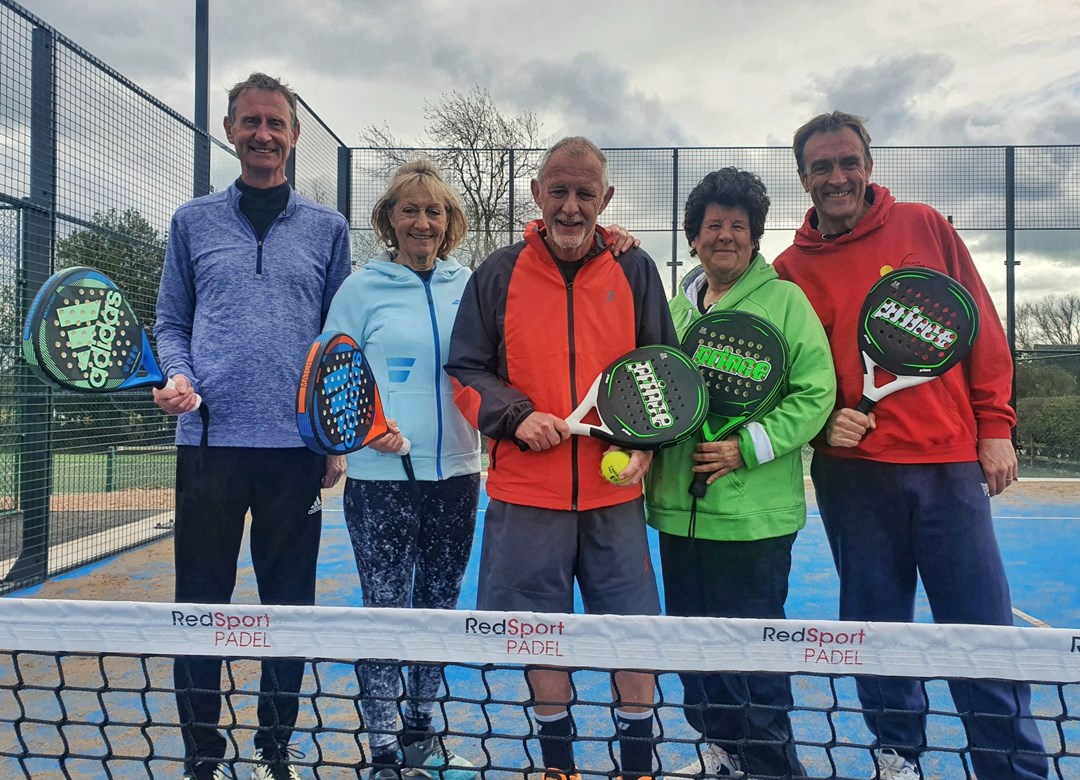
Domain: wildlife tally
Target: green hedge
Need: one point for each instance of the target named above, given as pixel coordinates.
(1052, 423)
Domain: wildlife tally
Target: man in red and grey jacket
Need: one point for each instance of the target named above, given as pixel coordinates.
(538, 322)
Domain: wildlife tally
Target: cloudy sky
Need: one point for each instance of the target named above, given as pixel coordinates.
(636, 73)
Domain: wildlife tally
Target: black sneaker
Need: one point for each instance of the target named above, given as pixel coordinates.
(209, 770)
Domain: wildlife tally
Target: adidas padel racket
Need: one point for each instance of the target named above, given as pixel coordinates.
(82, 334)
(338, 407)
(649, 398)
(744, 361)
(915, 324)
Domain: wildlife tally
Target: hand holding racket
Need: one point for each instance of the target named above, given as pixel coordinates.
(743, 360)
(179, 397)
(338, 407)
(916, 324)
(647, 399)
(82, 334)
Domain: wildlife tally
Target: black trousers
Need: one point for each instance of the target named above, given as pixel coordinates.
(215, 488)
(746, 714)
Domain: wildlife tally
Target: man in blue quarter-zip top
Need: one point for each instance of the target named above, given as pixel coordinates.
(248, 279)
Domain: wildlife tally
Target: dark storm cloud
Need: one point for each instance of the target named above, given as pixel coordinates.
(886, 91)
(598, 100)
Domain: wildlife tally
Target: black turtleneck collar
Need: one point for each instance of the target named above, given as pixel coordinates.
(262, 206)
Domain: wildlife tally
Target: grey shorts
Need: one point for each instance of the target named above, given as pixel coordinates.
(530, 558)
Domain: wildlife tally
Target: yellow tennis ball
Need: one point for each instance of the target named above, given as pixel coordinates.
(612, 464)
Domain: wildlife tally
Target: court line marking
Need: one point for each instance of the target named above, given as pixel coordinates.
(996, 517)
(85, 549)
(1030, 618)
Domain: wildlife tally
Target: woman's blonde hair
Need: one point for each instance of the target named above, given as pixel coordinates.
(423, 175)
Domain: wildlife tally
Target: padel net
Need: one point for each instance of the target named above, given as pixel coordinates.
(86, 688)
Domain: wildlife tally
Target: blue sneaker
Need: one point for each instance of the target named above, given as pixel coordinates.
(430, 758)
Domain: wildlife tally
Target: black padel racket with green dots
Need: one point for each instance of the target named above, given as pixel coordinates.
(647, 399)
(744, 361)
(916, 324)
(338, 406)
(82, 334)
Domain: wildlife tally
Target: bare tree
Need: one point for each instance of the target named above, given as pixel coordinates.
(1053, 320)
(483, 153)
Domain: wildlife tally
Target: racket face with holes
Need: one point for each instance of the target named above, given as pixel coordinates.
(917, 322)
(647, 399)
(338, 408)
(82, 334)
(32, 322)
(743, 360)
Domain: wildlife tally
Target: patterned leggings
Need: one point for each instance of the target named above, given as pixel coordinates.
(412, 544)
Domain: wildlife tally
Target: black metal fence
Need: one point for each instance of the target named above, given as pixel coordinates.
(92, 168)
(998, 189)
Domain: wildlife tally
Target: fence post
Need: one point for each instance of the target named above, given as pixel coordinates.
(201, 163)
(290, 168)
(344, 182)
(110, 470)
(510, 202)
(38, 239)
(674, 220)
(1010, 258)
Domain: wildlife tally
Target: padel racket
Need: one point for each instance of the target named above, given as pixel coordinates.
(338, 407)
(82, 334)
(649, 398)
(915, 324)
(744, 362)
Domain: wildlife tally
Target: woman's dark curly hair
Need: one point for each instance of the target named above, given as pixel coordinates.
(731, 188)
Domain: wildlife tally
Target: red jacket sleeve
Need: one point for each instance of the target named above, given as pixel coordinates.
(476, 365)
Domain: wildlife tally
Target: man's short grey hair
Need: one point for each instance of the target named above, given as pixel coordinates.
(575, 146)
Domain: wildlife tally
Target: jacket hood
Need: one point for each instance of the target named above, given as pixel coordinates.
(757, 273)
(809, 239)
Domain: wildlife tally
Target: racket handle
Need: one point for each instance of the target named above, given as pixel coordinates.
(406, 461)
(865, 405)
(171, 385)
(699, 485)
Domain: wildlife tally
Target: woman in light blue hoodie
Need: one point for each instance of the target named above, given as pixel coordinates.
(411, 541)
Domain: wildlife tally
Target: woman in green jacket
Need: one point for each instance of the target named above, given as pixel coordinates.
(734, 560)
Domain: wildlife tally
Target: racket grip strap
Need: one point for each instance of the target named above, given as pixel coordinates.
(406, 463)
(171, 385)
(406, 447)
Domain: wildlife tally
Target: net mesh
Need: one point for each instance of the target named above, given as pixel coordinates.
(86, 688)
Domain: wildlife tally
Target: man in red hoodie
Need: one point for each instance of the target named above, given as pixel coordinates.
(904, 491)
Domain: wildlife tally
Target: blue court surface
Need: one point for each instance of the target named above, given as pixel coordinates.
(1038, 526)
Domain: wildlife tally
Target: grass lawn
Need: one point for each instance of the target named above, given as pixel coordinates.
(143, 467)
